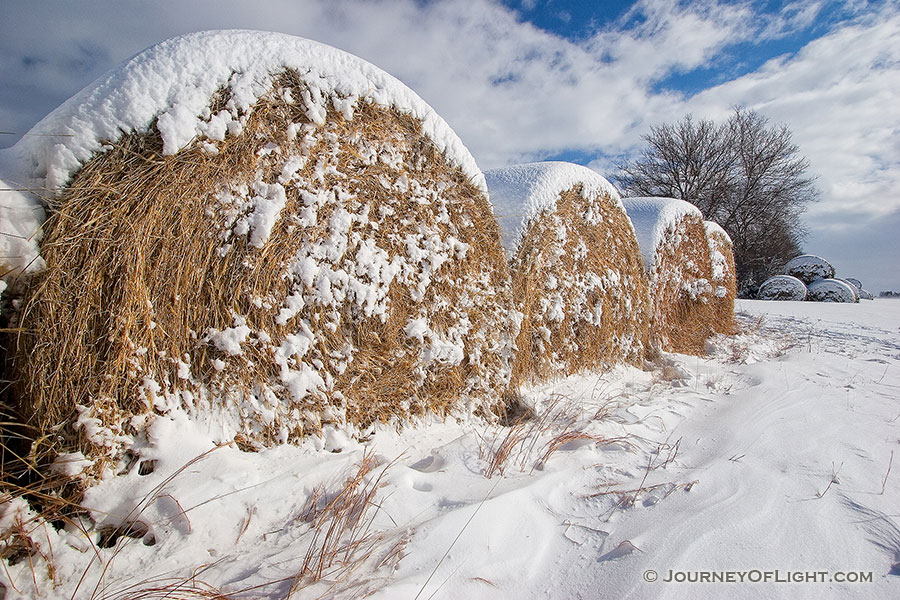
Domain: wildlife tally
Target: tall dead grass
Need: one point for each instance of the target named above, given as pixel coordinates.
(342, 537)
(529, 441)
(345, 556)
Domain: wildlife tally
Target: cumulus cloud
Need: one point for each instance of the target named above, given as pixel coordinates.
(511, 90)
(839, 96)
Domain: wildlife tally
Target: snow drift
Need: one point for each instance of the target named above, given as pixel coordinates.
(268, 235)
(674, 246)
(576, 269)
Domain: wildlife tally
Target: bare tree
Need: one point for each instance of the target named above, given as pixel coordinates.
(744, 174)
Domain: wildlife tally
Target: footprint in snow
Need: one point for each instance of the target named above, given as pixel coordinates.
(429, 464)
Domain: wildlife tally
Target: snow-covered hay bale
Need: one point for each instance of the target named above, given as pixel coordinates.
(266, 234)
(809, 267)
(782, 287)
(576, 270)
(858, 288)
(855, 289)
(724, 277)
(831, 290)
(674, 246)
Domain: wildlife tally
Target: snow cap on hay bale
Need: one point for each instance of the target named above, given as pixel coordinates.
(724, 277)
(853, 288)
(809, 267)
(267, 234)
(831, 290)
(674, 246)
(782, 287)
(576, 269)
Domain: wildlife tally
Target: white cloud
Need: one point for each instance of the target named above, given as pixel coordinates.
(512, 91)
(839, 95)
(793, 16)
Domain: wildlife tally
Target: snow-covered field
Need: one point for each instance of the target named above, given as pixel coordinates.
(769, 463)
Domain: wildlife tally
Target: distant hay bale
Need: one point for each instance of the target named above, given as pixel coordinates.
(853, 288)
(316, 248)
(858, 288)
(831, 290)
(782, 287)
(676, 256)
(724, 277)
(809, 267)
(576, 270)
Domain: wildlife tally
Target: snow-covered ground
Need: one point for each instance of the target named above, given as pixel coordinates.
(771, 459)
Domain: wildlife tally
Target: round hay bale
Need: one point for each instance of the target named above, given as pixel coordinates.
(808, 268)
(854, 282)
(782, 287)
(576, 270)
(853, 288)
(724, 277)
(831, 290)
(265, 234)
(674, 246)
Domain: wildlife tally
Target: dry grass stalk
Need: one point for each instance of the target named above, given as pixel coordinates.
(172, 588)
(341, 543)
(578, 281)
(887, 474)
(532, 439)
(628, 498)
(47, 496)
(683, 315)
(342, 540)
(520, 437)
(724, 281)
(146, 264)
(568, 437)
(516, 435)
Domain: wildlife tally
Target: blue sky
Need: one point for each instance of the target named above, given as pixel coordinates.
(524, 80)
